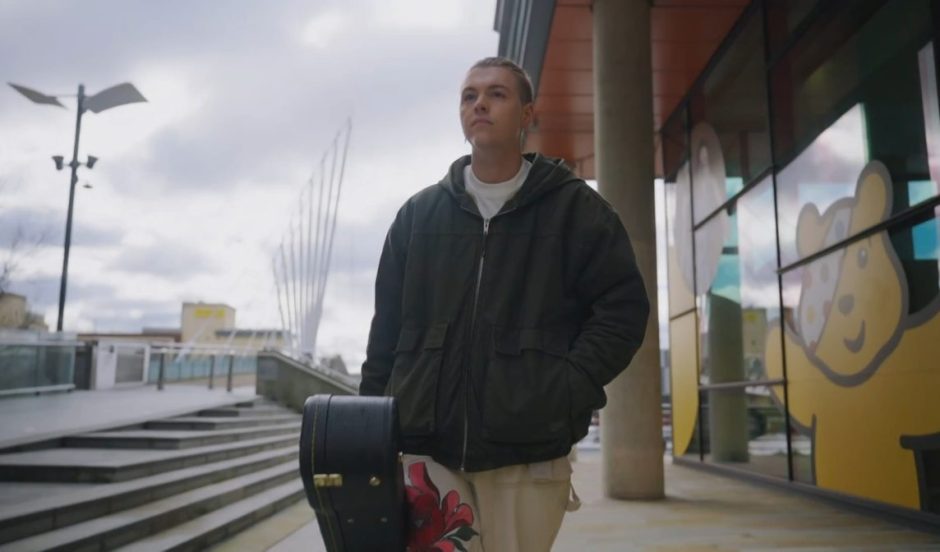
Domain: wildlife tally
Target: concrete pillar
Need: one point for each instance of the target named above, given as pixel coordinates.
(631, 423)
(727, 408)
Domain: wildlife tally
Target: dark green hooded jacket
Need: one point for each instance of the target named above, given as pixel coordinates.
(497, 339)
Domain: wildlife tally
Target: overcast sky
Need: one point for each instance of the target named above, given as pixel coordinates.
(194, 189)
(191, 195)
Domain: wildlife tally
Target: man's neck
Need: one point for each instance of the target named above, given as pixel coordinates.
(491, 167)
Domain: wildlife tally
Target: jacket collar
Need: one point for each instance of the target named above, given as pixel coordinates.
(546, 175)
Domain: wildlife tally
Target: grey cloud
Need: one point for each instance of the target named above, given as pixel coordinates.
(113, 37)
(43, 292)
(174, 260)
(284, 116)
(108, 312)
(77, 289)
(46, 228)
(121, 321)
(27, 225)
(357, 247)
(274, 104)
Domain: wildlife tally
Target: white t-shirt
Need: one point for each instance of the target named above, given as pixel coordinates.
(490, 198)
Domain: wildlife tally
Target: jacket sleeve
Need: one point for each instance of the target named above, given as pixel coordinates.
(386, 323)
(610, 286)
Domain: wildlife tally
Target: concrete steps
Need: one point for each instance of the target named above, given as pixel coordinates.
(175, 439)
(88, 465)
(261, 410)
(110, 531)
(227, 422)
(55, 512)
(154, 489)
(223, 523)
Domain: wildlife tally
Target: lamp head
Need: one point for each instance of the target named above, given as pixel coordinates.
(58, 162)
(91, 161)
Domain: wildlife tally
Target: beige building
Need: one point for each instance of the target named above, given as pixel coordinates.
(14, 313)
(214, 324)
(147, 335)
(199, 322)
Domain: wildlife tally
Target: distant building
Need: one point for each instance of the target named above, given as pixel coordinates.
(148, 335)
(15, 314)
(202, 324)
(200, 321)
(214, 324)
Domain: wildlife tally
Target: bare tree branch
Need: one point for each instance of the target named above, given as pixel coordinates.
(21, 245)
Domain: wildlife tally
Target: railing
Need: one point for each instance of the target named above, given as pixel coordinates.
(43, 362)
(173, 362)
(289, 382)
(36, 365)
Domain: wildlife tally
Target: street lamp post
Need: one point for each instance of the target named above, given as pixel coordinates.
(110, 97)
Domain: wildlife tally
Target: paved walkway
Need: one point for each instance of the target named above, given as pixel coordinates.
(36, 418)
(703, 512)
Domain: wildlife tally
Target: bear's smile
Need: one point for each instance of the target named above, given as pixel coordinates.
(855, 345)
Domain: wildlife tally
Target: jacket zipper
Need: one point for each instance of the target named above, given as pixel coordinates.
(473, 322)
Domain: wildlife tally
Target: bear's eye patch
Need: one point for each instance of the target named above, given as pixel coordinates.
(862, 257)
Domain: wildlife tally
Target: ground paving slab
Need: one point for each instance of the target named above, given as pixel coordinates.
(702, 512)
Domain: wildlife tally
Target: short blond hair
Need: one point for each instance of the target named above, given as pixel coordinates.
(526, 93)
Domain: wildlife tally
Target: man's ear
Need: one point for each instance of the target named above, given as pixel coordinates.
(528, 115)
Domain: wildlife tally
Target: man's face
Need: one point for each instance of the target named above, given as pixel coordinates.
(491, 111)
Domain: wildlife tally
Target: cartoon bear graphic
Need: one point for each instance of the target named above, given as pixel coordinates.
(862, 371)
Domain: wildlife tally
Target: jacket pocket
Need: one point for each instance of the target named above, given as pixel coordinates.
(585, 398)
(414, 377)
(526, 397)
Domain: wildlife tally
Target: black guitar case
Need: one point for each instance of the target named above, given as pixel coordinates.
(352, 472)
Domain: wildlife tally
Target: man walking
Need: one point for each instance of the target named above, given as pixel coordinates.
(507, 296)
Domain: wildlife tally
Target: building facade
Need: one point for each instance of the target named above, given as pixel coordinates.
(801, 166)
(15, 314)
(214, 324)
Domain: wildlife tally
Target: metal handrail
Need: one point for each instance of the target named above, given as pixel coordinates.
(40, 343)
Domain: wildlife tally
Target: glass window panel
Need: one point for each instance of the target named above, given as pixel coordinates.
(841, 104)
(826, 172)
(19, 366)
(27, 366)
(927, 71)
(675, 140)
(863, 333)
(684, 384)
(679, 242)
(745, 427)
(730, 141)
(783, 17)
(918, 249)
(738, 290)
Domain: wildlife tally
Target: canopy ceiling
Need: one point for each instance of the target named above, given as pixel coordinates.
(685, 34)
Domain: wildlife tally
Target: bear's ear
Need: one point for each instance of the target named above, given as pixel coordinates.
(872, 196)
(810, 230)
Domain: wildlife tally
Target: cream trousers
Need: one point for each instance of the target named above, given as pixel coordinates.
(510, 509)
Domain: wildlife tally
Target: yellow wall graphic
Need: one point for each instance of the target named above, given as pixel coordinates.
(861, 371)
(684, 382)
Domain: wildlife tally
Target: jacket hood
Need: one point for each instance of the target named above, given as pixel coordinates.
(546, 175)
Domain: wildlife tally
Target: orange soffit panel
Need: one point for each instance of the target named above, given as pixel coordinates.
(684, 35)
